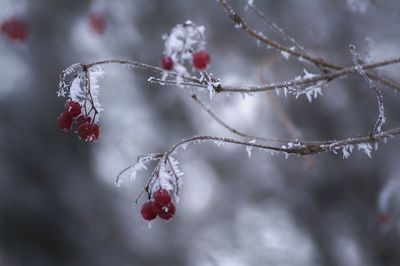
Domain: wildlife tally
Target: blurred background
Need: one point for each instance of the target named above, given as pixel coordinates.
(58, 201)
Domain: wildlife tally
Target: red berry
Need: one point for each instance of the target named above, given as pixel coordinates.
(166, 62)
(162, 197)
(64, 121)
(95, 132)
(88, 131)
(96, 22)
(167, 212)
(15, 28)
(73, 108)
(201, 59)
(83, 119)
(157, 208)
(147, 212)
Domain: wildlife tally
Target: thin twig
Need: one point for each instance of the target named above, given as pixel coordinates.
(381, 109)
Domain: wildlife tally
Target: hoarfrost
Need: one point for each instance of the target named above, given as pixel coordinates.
(169, 176)
(180, 44)
(285, 55)
(366, 148)
(250, 148)
(347, 150)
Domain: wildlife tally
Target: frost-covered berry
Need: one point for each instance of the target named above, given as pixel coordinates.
(166, 62)
(162, 197)
(64, 121)
(83, 119)
(15, 29)
(167, 212)
(157, 208)
(87, 131)
(147, 212)
(201, 59)
(73, 108)
(97, 22)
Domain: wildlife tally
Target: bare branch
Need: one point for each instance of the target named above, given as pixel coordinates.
(381, 109)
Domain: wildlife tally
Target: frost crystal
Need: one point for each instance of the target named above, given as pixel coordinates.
(347, 150)
(366, 148)
(139, 165)
(169, 176)
(310, 92)
(86, 90)
(62, 85)
(285, 55)
(183, 40)
(250, 148)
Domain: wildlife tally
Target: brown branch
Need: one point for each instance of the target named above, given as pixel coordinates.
(239, 21)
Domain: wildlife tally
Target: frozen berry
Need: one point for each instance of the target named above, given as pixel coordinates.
(167, 212)
(157, 208)
(73, 108)
(88, 131)
(147, 212)
(162, 197)
(64, 121)
(83, 119)
(166, 62)
(96, 22)
(201, 59)
(15, 29)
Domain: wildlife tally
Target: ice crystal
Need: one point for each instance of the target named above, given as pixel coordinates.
(285, 55)
(182, 41)
(347, 150)
(139, 165)
(366, 148)
(169, 176)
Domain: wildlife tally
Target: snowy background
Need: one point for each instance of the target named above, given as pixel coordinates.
(58, 201)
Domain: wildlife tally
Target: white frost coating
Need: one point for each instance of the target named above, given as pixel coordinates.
(366, 148)
(62, 85)
(183, 40)
(137, 166)
(381, 109)
(248, 150)
(285, 55)
(218, 142)
(311, 92)
(211, 90)
(169, 176)
(308, 75)
(78, 92)
(347, 150)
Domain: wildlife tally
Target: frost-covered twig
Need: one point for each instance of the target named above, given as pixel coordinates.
(381, 109)
(297, 147)
(275, 28)
(308, 80)
(242, 24)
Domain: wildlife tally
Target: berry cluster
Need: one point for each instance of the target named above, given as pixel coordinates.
(161, 205)
(72, 113)
(200, 60)
(15, 28)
